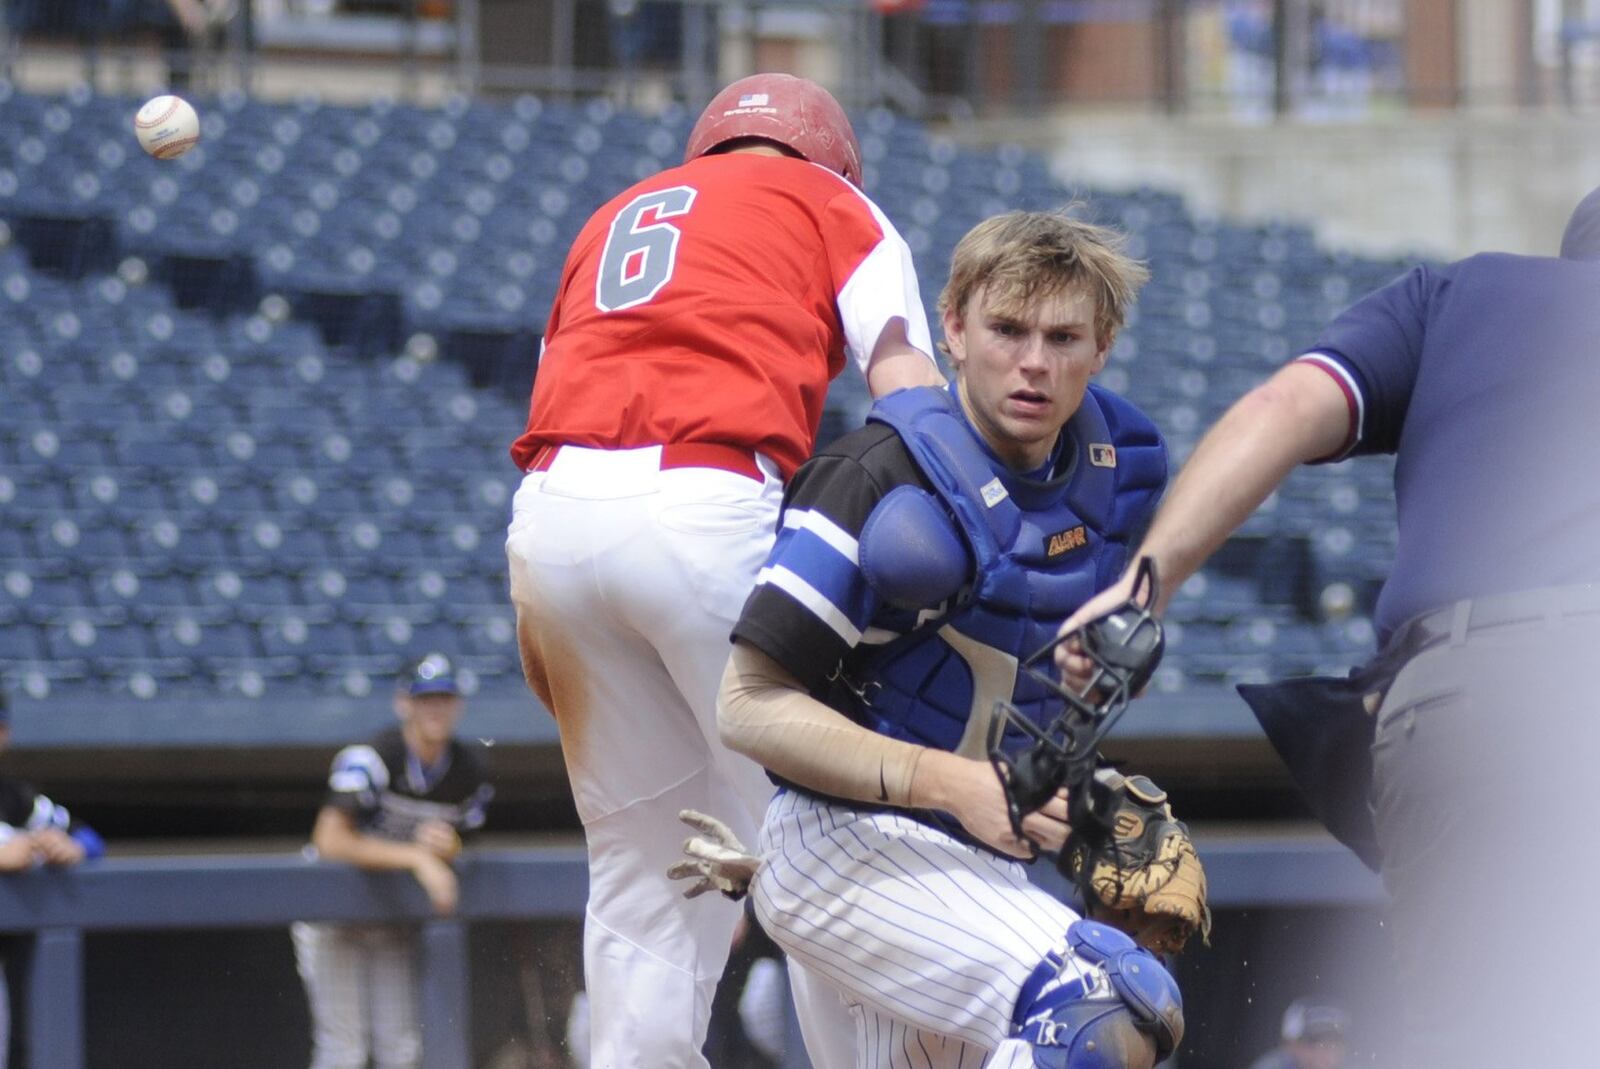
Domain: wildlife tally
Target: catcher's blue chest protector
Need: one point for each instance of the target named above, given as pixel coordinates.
(1035, 551)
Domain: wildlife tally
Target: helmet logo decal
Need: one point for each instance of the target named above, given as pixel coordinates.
(793, 112)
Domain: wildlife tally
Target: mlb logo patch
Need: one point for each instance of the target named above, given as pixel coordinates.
(993, 492)
(753, 100)
(1102, 455)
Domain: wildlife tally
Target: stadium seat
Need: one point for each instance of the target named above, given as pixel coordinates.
(398, 637)
(28, 495)
(149, 453)
(266, 544)
(122, 501)
(19, 644)
(38, 596)
(207, 644)
(138, 596)
(88, 540)
(297, 634)
(105, 647)
(320, 498)
(247, 594)
(164, 540)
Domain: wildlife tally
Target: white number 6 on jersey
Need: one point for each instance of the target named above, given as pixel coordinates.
(641, 250)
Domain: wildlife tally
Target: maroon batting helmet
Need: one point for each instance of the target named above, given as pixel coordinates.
(794, 112)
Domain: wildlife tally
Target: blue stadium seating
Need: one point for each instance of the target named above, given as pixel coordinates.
(226, 472)
(20, 646)
(147, 597)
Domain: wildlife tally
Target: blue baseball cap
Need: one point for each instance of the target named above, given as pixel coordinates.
(1310, 1022)
(432, 673)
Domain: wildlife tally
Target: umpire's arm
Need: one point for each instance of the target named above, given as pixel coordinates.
(1299, 415)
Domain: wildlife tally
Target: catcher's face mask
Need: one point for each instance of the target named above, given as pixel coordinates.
(1125, 646)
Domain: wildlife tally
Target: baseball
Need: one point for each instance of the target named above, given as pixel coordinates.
(167, 127)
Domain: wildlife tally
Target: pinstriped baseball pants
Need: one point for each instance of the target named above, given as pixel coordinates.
(928, 940)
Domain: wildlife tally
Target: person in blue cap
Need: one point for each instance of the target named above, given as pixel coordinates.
(1313, 1036)
(403, 800)
(33, 829)
(34, 832)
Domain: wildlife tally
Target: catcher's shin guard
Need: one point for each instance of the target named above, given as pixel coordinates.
(1119, 1009)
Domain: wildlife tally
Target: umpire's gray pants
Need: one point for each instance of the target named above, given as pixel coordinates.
(1485, 767)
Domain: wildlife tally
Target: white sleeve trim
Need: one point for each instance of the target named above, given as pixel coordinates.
(825, 529)
(882, 287)
(359, 761)
(812, 599)
(46, 814)
(1327, 360)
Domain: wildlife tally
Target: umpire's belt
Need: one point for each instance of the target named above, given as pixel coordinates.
(1456, 621)
(682, 455)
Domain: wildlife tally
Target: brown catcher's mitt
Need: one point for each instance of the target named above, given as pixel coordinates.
(1141, 873)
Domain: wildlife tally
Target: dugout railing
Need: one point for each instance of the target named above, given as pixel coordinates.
(58, 908)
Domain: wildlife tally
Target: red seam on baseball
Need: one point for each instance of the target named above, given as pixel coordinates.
(174, 148)
(145, 124)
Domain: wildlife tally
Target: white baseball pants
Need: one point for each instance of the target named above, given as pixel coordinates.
(627, 580)
(361, 984)
(928, 940)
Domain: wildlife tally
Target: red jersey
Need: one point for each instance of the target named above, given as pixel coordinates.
(714, 302)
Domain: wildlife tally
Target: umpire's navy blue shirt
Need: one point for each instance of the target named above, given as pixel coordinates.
(1484, 377)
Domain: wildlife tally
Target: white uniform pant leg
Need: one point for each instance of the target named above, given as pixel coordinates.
(332, 963)
(392, 984)
(627, 582)
(914, 928)
(740, 786)
(826, 1022)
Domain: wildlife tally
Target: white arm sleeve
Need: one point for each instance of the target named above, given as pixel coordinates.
(883, 287)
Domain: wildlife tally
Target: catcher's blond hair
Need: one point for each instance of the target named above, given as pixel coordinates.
(1018, 258)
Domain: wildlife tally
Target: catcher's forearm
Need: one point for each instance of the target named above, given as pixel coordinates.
(765, 714)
